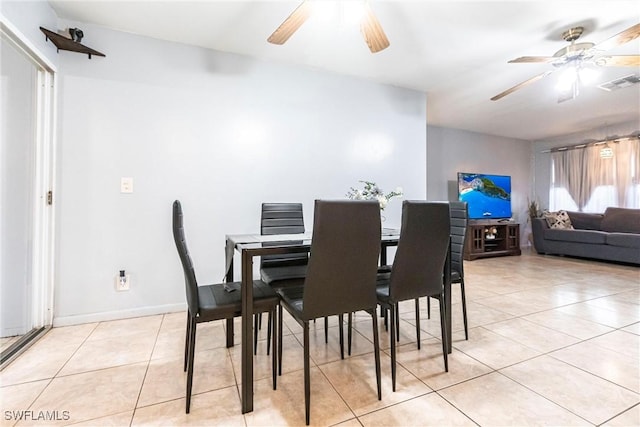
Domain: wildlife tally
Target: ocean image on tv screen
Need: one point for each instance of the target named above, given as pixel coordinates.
(487, 196)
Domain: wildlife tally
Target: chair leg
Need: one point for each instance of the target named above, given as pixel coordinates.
(398, 322)
(350, 325)
(418, 321)
(279, 339)
(386, 319)
(274, 359)
(326, 330)
(269, 323)
(186, 340)
(376, 352)
(443, 328)
(464, 310)
(392, 336)
(230, 332)
(192, 350)
(349, 332)
(341, 331)
(307, 374)
(428, 308)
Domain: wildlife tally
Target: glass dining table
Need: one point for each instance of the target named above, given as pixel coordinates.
(249, 246)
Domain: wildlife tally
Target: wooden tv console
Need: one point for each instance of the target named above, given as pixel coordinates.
(489, 238)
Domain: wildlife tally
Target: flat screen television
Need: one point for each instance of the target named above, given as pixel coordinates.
(487, 196)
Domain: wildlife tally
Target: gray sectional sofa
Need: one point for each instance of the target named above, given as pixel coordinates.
(612, 236)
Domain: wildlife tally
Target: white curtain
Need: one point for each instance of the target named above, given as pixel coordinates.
(583, 180)
(566, 180)
(627, 161)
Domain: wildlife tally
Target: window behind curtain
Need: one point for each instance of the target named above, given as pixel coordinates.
(581, 180)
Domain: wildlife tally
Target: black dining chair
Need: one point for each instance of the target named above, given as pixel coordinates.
(341, 277)
(282, 218)
(418, 267)
(214, 302)
(281, 270)
(458, 212)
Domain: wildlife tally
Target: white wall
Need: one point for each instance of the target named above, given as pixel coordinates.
(221, 132)
(542, 159)
(450, 151)
(27, 17)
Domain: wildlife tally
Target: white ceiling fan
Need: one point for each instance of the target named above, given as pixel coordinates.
(577, 59)
(370, 27)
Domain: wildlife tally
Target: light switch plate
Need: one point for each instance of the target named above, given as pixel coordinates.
(126, 185)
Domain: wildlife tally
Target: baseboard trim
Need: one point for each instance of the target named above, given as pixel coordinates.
(117, 315)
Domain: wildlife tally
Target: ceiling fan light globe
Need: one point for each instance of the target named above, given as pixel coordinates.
(324, 12)
(566, 79)
(588, 75)
(338, 13)
(352, 12)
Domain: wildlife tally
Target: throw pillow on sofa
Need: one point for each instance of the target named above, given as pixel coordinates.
(558, 220)
(550, 217)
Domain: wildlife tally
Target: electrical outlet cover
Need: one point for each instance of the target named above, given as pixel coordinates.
(123, 286)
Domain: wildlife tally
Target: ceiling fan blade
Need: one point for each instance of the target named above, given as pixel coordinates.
(626, 36)
(619, 61)
(529, 59)
(291, 24)
(521, 85)
(372, 31)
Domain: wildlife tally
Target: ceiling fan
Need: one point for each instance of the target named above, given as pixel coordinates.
(369, 26)
(575, 59)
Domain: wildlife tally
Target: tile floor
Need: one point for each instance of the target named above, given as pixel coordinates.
(552, 341)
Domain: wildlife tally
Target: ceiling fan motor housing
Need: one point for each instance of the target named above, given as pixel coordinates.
(573, 34)
(575, 51)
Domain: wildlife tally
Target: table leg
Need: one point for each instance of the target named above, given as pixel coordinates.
(247, 333)
(383, 255)
(229, 279)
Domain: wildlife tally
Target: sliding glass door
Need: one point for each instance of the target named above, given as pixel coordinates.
(25, 181)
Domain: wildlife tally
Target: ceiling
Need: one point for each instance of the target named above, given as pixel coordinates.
(455, 51)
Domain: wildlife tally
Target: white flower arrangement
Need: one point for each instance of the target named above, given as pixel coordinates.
(371, 191)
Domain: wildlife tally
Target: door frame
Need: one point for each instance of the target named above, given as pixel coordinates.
(43, 214)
